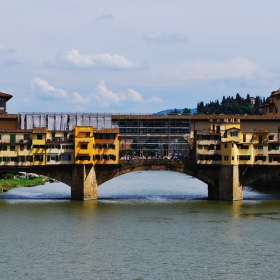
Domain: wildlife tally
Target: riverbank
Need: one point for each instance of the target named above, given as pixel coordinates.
(7, 184)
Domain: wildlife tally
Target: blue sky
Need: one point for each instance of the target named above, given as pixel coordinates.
(135, 56)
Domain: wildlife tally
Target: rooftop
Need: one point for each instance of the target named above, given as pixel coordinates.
(8, 96)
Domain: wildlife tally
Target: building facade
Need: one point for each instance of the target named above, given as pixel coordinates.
(225, 143)
(39, 146)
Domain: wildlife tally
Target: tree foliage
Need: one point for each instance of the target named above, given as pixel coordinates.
(230, 105)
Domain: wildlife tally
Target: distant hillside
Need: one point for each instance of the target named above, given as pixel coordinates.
(193, 111)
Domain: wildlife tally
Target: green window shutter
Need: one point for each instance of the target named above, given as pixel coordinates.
(277, 147)
(48, 158)
(59, 146)
(1, 159)
(56, 158)
(8, 159)
(269, 147)
(264, 158)
(12, 138)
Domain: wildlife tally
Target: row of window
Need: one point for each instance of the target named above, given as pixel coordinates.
(209, 137)
(82, 146)
(17, 159)
(209, 147)
(244, 157)
(97, 157)
(98, 146)
(50, 158)
(81, 134)
(209, 157)
(104, 136)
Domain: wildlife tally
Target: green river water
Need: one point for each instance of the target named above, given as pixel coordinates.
(145, 225)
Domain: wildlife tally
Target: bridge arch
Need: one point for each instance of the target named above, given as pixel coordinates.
(126, 166)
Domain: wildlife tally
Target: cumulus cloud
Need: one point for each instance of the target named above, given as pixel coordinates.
(134, 95)
(4, 49)
(210, 69)
(162, 38)
(106, 97)
(45, 89)
(78, 99)
(74, 59)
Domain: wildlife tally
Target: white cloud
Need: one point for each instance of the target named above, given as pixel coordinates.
(4, 49)
(154, 100)
(78, 99)
(45, 89)
(134, 95)
(106, 97)
(162, 38)
(210, 69)
(74, 59)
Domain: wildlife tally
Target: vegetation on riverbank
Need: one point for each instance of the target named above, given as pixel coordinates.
(22, 182)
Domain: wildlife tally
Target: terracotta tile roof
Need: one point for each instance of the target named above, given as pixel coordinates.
(256, 131)
(40, 130)
(241, 117)
(265, 105)
(8, 116)
(234, 128)
(8, 130)
(8, 96)
(277, 92)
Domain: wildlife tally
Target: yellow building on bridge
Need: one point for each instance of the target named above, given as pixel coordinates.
(39, 146)
(226, 143)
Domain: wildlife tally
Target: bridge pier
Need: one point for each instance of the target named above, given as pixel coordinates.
(84, 184)
(227, 186)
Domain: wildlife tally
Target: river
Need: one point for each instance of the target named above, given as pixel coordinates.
(145, 225)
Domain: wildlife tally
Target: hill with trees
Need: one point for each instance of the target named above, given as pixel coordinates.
(231, 105)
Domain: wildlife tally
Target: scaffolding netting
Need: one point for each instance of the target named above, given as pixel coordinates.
(64, 121)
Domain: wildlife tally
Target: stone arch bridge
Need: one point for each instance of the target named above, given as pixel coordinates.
(224, 182)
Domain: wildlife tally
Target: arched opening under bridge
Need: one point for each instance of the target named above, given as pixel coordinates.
(153, 184)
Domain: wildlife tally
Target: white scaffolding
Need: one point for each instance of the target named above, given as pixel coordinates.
(64, 121)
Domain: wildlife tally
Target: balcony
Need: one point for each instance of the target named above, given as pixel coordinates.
(83, 152)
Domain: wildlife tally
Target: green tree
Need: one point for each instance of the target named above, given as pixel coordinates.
(186, 111)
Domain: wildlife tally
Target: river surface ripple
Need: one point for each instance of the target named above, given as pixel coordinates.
(145, 225)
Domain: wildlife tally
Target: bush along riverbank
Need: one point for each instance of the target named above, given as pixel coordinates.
(9, 181)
